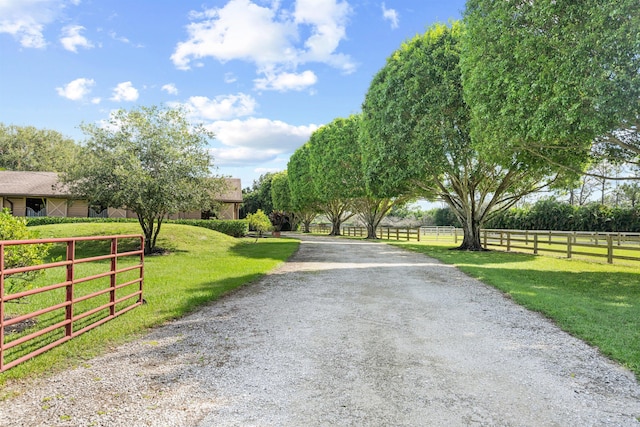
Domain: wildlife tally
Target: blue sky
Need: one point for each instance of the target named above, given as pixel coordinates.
(262, 74)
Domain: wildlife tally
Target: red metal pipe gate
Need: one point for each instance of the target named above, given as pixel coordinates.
(73, 314)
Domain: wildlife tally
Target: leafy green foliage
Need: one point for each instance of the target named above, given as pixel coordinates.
(258, 196)
(544, 79)
(26, 148)
(16, 256)
(259, 222)
(550, 214)
(149, 160)
(304, 202)
(280, 192)
(415, 134)
(233, 228)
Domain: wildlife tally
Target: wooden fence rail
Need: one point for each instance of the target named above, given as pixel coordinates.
(612, 246)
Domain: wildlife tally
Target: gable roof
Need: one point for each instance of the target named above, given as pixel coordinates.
(36, 184)
(45, 184)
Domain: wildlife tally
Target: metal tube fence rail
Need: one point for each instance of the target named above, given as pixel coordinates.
(612, 246)
(84, 294)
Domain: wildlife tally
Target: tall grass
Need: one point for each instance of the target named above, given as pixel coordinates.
(599, 303)
(200, 265)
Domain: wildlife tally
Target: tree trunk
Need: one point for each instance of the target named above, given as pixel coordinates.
(471, 241)
(336, 222)
(371, 231)
(306, 225)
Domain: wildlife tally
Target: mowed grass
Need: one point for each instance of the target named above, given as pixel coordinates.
(201, 265)
(598, 303)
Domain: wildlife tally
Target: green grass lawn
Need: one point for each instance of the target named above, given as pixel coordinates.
(201, 265)
(599, 303)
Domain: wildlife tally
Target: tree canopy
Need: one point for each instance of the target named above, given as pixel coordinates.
(150, 160)
(416, 134)
(26, 148)
(303, 198)
(544, 79)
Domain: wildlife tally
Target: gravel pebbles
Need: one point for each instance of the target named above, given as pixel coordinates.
(348, 333)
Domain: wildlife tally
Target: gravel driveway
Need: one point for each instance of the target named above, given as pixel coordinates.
(346, 333)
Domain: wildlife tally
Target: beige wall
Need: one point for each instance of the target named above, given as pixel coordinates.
(19, 205)
(78, 209)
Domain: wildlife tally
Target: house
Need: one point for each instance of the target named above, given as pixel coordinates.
(40, 194)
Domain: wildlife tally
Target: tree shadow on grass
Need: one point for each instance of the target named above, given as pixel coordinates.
(276, 249)
(448, 256)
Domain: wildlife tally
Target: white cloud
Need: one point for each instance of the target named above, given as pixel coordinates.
(239, 30)
(125, 92)
(286, 81)
(170, 88)
(25, 20)
(221, 107)
(256, 140)
(268, 36)
(77, 89)
(390, 15)
(72, 39)
(230, 78)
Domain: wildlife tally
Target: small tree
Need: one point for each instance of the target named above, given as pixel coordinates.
(259, 222)
(15, 228)
(150, 160)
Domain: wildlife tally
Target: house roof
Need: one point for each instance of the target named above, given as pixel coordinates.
(45, 184)
(35, 184)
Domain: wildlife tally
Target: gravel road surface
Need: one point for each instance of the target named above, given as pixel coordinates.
(348, 333)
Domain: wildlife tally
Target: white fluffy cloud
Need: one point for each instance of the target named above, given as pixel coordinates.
(268, 36)
(221, 107)
(72, 39)
(77, 89)
(125, 92)
(256, 140)
(170, 88)
(390, 15)
(25, 20)
(286, 81)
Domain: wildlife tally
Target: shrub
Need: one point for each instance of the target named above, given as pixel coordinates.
(259, 222)
(233, 228)
(15, 228)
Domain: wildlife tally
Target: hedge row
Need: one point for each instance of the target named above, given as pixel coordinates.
(549, 214)
(234, 228)
(46, 220)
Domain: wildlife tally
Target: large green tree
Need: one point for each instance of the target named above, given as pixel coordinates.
(258, 196)
(150, 160)
(304, 202)
(335, 166)
(415, 135)
(546, 79)
(26, 148)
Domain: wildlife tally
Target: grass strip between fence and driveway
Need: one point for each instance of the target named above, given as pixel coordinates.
(598, 303)
(199, 266)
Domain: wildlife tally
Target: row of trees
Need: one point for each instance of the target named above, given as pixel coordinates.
(519, 97)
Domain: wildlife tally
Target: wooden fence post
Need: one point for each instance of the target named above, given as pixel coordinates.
(535, 244)
(609, 249)
(569, 240)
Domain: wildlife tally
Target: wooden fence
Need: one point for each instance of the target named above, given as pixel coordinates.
(610, 246)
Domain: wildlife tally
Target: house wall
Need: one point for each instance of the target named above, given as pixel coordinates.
(78, 209)
(19, 205)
